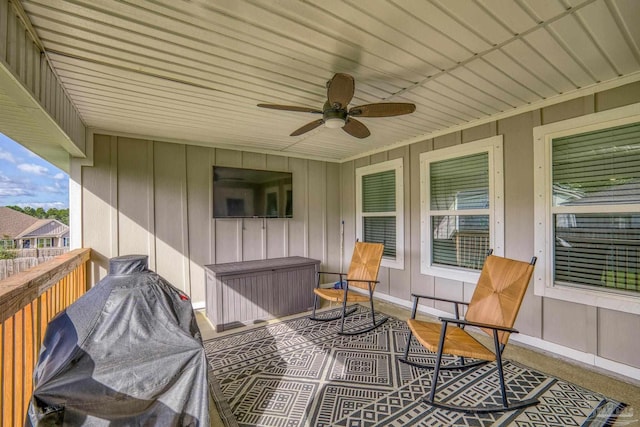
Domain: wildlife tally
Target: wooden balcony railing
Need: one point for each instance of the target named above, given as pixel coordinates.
(28, 300)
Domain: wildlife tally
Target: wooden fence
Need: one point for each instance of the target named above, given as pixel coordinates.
(9, 267)
(39, 252)
(28, 258)
(28, 301)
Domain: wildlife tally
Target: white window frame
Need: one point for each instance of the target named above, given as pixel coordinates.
(544, 272)
(494, 147)
(397, 165)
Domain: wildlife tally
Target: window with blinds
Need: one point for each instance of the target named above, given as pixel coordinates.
(459, 200)
(596, 208)
(462, 208)
(379, 209)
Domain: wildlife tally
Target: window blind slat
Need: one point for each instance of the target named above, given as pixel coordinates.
(381, 229)
(460, 183)
(601, 167)
(379, 192)
(595, 262)
(597, 249)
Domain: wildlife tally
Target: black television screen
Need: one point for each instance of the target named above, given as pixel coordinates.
(251, 193)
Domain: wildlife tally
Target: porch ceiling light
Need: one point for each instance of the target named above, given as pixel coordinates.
(334, 118)
(334, 123)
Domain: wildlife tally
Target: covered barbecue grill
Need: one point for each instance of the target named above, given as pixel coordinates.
(127, 353)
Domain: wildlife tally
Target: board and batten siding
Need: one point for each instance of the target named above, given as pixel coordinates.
(590, 334)
(36, 110)
(155, 198)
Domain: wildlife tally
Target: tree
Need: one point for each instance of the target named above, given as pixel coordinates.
(7, 254)
(61, 215)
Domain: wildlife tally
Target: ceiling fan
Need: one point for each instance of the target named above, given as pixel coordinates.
(335, 113)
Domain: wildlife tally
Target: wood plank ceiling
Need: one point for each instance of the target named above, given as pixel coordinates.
(194, 70)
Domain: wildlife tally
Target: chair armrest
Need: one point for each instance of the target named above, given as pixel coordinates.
(417, 297)
(439, 299)
(478, 324)
(329, 272)
(364, 281)
(318, 273)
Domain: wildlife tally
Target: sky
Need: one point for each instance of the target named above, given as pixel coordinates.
(28, 180)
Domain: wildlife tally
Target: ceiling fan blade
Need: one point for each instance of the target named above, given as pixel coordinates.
(306, 128)
(290, 108)
(382, 109)
(340, 90)
(356, 128)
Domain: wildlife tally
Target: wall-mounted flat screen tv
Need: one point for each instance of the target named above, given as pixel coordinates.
(251, 193)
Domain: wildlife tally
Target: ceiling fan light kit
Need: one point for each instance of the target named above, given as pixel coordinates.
(340, 90)
(334, 122)
(333, 118)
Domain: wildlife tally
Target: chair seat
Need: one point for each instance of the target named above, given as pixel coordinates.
(457, 341)
(337, 295)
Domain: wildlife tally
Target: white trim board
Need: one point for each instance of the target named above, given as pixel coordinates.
(620, 369)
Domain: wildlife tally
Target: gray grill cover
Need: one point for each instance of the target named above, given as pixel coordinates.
(127, 353)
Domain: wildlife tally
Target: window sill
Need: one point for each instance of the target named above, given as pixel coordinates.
(397, 264)
(594, 298)
(463, 275)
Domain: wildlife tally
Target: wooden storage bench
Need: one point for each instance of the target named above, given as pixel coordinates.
(240, 293)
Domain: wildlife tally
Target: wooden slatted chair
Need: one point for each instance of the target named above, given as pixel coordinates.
(362, 274)
(493, 308)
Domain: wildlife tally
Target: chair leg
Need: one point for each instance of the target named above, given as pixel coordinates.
(374, 323)
(405, 358)
(503, 389)
(315, 303)
(481, 409)
(344, 309)
(436, 371)
(323, 318)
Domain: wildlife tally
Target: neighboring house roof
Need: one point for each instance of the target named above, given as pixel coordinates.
(45, 228)
(12, 223)
(17, 225)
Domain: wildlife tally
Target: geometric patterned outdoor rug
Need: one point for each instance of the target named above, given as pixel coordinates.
(302, 373)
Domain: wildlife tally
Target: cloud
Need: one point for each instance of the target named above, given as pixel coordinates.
(11, 188)
(13, 191)
(33, 168)
(5, 155)
(55, 189)
(60, 175)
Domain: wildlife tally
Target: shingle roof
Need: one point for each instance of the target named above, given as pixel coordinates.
(12, 223)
